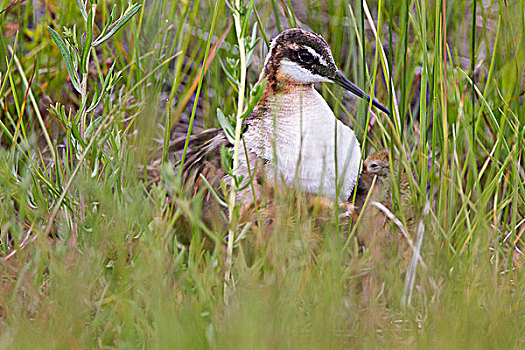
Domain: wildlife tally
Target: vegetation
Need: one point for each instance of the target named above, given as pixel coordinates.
(97, 253)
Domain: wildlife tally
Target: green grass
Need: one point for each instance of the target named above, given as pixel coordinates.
(93, 255)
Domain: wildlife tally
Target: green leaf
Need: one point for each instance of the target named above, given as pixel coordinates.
(9, 63)
(89, 40)
(109, 82)
(244, 232)
(74, 36)
(246, 22)
(62, 47)
(253, 44)
(226, 126)
(226, 160)
(76, 133)
(74, 57)
(96, 99)
(121, 21)
(109, 22)
(82, 9)
(228, 73)
(213, 192)
(256, 94)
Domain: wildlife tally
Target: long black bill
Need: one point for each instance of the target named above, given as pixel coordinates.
(348, 85)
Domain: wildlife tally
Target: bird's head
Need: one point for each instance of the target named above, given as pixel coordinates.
(298, 56)
(377, 165)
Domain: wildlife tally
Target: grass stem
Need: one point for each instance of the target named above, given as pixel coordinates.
(238, 126)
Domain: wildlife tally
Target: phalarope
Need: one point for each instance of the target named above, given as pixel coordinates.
(292, 137)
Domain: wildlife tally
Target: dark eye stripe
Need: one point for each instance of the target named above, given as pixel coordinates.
(306, 57)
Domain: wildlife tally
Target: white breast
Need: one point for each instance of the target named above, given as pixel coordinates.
(298, 141)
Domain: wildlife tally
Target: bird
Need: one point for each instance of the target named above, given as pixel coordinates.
(292, 137)
(374, 227)
(375, 183)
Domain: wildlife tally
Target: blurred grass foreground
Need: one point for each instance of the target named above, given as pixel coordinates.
(101, 248)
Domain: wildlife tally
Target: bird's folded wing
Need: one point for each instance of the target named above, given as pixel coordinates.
(203, 156)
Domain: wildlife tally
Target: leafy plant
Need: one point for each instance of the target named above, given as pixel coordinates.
(76, 54)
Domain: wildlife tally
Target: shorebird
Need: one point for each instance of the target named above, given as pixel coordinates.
(374, 230)
(292, 137)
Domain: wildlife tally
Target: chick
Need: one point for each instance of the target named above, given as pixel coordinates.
(374, 228)
(374, 223)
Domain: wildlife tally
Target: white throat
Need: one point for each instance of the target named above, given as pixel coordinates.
(299, 74)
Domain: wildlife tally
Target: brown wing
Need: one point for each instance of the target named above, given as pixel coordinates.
(203, 156)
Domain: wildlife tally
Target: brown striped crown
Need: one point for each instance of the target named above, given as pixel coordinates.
(298, 56)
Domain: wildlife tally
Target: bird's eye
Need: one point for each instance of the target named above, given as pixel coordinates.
(374, 166)
(306, 57)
